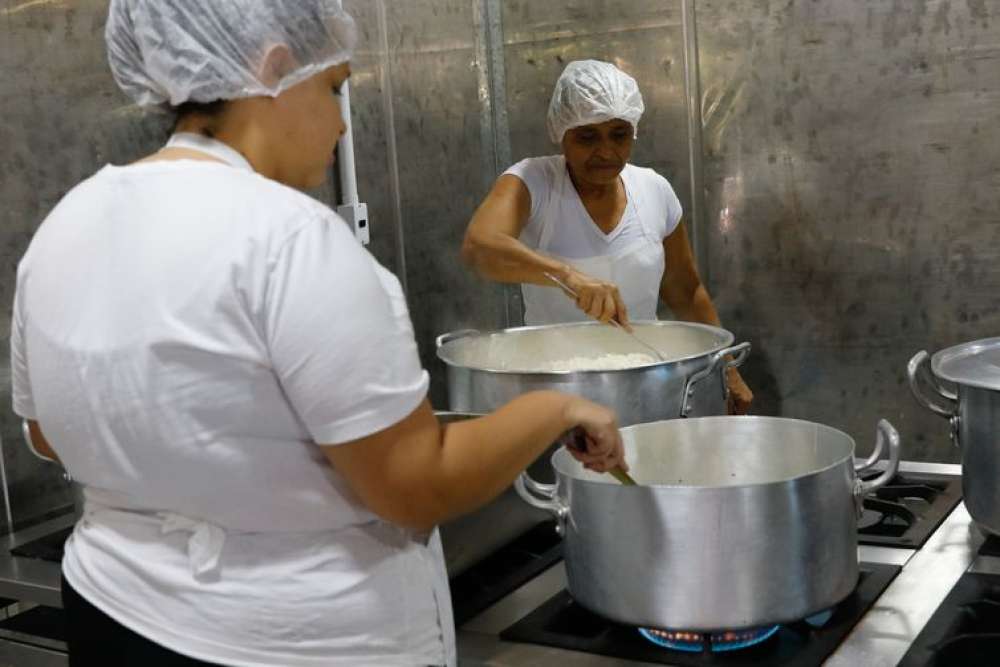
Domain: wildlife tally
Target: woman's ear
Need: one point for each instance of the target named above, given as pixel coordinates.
(278, 62)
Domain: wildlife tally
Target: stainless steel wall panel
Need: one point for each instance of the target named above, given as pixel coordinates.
(853, 158)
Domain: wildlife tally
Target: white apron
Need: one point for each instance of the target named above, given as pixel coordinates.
(637, 270)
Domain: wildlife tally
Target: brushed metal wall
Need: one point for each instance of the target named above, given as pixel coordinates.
(852, 157)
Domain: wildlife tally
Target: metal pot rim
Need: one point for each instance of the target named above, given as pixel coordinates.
(559, 456)
(727, 340)
(942, 361)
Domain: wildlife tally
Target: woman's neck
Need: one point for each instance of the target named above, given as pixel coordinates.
(236, 132)
(592, 191)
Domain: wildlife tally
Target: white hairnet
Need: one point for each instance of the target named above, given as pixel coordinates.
(175, 51)
(592, 91)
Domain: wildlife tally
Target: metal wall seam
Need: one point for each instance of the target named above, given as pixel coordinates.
(692, 91)
(392, 155)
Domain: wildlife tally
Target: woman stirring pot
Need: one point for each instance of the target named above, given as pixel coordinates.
(234, 380)
(608, 230)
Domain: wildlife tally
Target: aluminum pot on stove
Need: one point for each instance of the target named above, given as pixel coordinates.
(485, 370)
(974, 412)
(737, 522)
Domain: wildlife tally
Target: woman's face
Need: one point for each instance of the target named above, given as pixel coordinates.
(596, 154)
(306, 124)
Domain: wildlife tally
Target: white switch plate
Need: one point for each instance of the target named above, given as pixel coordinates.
(356, 215)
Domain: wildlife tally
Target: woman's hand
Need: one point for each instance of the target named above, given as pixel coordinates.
(604, 448)
(740, 396)
(597, 298)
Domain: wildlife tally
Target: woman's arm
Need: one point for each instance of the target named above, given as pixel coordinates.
(491, 246)
(682, 290)
(418, 474)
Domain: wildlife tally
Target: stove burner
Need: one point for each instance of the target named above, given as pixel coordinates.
(716, 642)
(905, 512)
(965, 628)
(562, 623)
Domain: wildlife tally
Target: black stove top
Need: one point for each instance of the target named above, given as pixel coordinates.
(991, 547)
(905, 512)
(561, 623)
(965, 629)
(504, 571)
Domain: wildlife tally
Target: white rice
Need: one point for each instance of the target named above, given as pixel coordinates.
(604, 362)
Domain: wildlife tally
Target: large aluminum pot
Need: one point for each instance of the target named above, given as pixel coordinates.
(974, 412)
(737, 522)
(488, 369)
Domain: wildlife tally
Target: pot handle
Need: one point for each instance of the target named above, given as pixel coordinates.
(874, 457)
(885, 432)
(541, 496)
(739, 353)
(26, 434)
(948, 409)
(454, 335)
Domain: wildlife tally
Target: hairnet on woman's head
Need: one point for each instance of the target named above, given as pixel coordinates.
(592, 91)
(175, 51)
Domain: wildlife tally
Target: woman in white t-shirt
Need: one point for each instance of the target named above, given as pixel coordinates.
(609, 231)
(234, 380)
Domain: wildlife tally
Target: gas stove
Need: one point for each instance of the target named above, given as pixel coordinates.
(912, 553)
(562, 623)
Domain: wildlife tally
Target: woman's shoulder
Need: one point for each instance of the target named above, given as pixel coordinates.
(650, 180)
(541, 169)
(649, 176)
(254, 204)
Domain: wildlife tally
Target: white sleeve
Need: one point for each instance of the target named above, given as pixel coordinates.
(340, 337)
(535, 177)
(23, 403)
(673, 208)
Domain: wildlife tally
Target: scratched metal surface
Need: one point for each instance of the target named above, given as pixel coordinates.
(852, 156)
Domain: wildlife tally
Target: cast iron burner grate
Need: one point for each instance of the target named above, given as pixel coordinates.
(907, 510)
(965, 629)
(562, 623)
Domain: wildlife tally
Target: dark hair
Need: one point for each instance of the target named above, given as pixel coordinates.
(209, 110)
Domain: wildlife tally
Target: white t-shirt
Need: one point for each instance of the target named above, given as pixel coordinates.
(575, 236)
(185, 332)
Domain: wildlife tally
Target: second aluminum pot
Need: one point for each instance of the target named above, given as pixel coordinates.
(487, 369)
(738, 522)
(974, 412)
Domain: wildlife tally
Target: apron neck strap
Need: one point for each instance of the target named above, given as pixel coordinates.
(215, 148)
